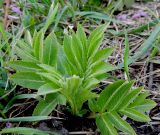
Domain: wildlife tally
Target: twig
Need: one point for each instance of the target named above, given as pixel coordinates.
(150, 83)
(81, 133)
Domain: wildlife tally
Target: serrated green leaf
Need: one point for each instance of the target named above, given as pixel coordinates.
(84, 95)
(102, 55)
(145, 106)
(24, 66)
(99, 68)
(28, 37)
(117, 97)
(105, 126)
(71, 89)
(28, 80)
(51, 70)
(93, 106)
(38, 45)
(47, 105)
(24, 55)
(135, 115)
(106, 93)
(102, 77)
(81, 33)
(34, 38)
(130, 97)
(50, 50)
(139, 99)
(50, 77)
(24, 46)
(119, 123)
(77, 49)
(95, 40)
(47, 89)
(90, 83)
(72, 85)
(63, 65)
(82, 36)
(69, 54)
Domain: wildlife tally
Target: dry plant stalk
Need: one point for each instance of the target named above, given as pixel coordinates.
(6, 10)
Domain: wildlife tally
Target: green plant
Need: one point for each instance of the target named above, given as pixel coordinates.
(69, 73)
(116, 101)
(72, 70)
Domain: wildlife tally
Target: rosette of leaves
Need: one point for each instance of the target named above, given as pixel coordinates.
(116, 101)
(69, 72)
(62, 72)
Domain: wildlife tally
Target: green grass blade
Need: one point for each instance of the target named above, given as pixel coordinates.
(148, 44)
(26, 119)
(96, 15)
(59, 16)
(138, 29)
(26, 131)
(126, 56)
(22, 96)
(51, 16)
